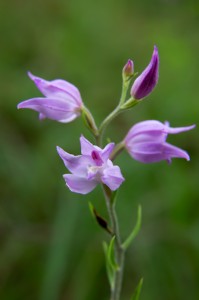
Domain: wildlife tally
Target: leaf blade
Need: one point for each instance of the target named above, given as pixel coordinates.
(137, 292)
(135, 230)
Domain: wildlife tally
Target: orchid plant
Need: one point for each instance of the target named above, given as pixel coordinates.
(145, 142)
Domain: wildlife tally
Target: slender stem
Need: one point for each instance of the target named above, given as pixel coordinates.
(119, 250)
(110, 203)
(115, 112)
(107, 120)
(117, 150)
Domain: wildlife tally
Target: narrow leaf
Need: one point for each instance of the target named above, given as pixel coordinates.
(109, 269)
(91, 207)
(136, 294)
(135, 230)
(110, 254)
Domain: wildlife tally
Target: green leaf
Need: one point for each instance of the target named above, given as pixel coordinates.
(110, 271)
(135, 230)
(110, 254)
(91, 207)
(136, 294)
(111, 265)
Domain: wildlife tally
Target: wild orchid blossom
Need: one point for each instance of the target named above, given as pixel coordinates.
(93, 166)
(148, 79)
(146, 142)
(62, 100)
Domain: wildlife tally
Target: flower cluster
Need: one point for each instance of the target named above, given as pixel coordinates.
(145, 141)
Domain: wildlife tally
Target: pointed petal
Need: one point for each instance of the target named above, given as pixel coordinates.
(107, 151)
(55, 109)
(112, 177)
(171, 151)
(179, 129)
(75, 164)
(86, 147)
(57, 88)
(78, 184)
(154, 152)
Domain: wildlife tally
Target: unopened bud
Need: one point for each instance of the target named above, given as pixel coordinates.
(147, 81)
(128, 69)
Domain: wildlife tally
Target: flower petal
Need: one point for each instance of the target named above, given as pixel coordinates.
(55, 109)
(112, 177)
(146, 130)
(152, 130)
(173, 151)
(178, 129)
(107, 151)
(78, 184)
(75, 164)
(57, 88)
(86, 147)
(154, 152)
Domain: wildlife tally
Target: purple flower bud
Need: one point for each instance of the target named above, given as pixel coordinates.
(146, 142)
(128, 69)
(146, 82)
(90, 168)
(62, 100)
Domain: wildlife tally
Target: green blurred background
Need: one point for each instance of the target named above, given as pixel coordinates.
(50, 247)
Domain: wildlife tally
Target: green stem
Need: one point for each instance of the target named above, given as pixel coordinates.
(115, 112)
(119, 250)
(117, 150)
(106, 121)
(110, 203)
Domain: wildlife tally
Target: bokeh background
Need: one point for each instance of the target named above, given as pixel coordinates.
(50, 247)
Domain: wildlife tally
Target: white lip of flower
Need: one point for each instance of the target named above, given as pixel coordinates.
(95, 172)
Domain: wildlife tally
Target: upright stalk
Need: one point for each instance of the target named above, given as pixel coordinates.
(115, 112)
(119, 250)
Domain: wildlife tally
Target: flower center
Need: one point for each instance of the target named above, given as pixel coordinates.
(95, 171)
(96, 157)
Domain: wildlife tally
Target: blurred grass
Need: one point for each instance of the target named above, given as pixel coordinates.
(50, 246)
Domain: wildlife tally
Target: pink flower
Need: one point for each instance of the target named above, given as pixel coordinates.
(62, 100)
(93, 166)
(146, 142)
